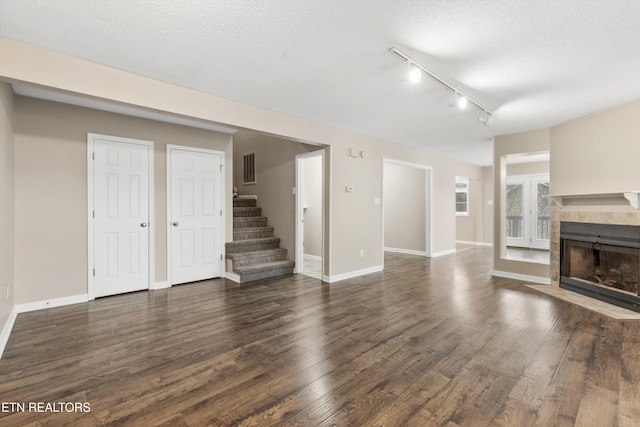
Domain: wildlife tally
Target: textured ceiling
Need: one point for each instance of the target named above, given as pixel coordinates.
(534, 63)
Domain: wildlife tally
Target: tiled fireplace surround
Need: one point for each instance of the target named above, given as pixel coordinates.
(617, 214)
(599, 213)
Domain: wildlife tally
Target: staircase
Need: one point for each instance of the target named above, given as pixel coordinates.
(254, 253)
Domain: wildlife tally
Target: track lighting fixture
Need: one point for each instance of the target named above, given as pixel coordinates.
(460, 100)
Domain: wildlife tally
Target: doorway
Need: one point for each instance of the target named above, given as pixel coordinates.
(310, 213)
(120, 214)
(194, 213)
(525, 207)
(407, 216)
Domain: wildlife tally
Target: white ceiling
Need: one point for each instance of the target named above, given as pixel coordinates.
(535, 63)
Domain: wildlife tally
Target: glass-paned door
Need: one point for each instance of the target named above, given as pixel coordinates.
(516, 208)
(541, 219)
(527, 211)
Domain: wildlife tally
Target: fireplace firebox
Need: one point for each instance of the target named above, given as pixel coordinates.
(601, 261)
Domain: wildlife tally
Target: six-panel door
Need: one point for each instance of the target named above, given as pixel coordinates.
(121, 224)
(195, 215)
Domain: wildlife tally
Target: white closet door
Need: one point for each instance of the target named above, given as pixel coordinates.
(195, 215)
(121, 223)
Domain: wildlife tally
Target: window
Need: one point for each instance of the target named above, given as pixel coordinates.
(462, 196)
(249, 172)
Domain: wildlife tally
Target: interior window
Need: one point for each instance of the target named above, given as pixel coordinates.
(462, 196)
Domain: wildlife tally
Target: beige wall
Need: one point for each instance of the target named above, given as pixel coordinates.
(487, 205)
(51, 190)
(275, 179)
(469, 227)
(349, 233)
(526, 142)
(528, 168)
(405, 212)
(7, 204)
(598, 153)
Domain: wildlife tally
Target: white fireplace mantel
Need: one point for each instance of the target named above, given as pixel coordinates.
(632, 197)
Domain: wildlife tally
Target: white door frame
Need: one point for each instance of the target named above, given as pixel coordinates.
(222, 220)
(428, 209)
(299, 256)
(91, 137)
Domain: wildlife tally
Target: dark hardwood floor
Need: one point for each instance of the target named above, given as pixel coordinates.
(426, 342)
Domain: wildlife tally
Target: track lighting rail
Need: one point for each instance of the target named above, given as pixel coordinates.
(487, 119)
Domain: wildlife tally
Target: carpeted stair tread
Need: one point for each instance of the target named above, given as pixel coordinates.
(247, 269)
(251, 232)
(247, 212)
(266, 274)
(240, 202)
(257, 254)
(249, 221)
(257, 244)
(245, 229)
(254, 241)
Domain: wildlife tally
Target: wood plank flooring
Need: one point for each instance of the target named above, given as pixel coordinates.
(427, 342)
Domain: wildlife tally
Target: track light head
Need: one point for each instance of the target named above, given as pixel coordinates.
(414, 73)
(461, 101)
(487, 119)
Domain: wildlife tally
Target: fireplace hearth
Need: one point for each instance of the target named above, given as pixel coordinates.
(601, 261)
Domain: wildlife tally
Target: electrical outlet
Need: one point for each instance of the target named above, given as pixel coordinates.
(361, 253)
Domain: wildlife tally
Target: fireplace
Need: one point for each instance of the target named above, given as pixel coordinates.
(601, 261)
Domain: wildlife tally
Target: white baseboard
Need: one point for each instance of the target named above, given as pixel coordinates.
(466, 242)
(57, 302)
(405, 251)
(523, 277)
(160, 285)
(312, 257)
(6, 331)
(232, 276)
(352, 274)
(442, 253)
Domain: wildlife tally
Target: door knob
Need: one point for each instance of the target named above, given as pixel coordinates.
(176, 223)
(144, 224)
